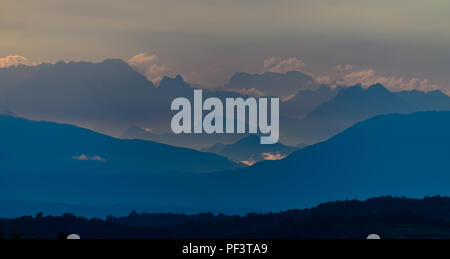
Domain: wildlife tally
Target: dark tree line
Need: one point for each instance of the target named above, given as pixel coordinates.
(387, 216)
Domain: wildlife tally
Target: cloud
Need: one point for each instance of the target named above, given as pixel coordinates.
(15, 60)
(279, 65)
(84, 157)
(249, 163)
(249, 92)
(289, 97)
(147, 65)
(395, 83)
(269, 156)
(346, 75)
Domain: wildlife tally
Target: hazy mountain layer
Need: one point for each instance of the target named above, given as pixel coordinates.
(250, 150)
(400, 155)
(46, 147)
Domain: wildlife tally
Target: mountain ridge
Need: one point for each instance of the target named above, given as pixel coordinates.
(54, 147)
(394, 154)
(249, 150)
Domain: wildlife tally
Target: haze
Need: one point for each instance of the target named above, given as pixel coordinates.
(208, 41)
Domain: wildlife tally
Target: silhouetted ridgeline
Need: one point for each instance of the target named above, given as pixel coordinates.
(386, 216)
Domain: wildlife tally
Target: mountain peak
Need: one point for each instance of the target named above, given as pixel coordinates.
(377, 88)
(251, 139)
(355, 89)
(115, 61)
(175, 82)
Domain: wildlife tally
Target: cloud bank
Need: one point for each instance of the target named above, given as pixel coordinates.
(279, 65)
(345, 75)
(147, 65)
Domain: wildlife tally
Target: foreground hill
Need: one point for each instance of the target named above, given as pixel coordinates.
(388, 217)
(45, 147)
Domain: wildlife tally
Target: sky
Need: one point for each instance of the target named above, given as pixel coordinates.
(402, 43)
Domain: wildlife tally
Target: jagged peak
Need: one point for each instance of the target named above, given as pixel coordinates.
(170, 82)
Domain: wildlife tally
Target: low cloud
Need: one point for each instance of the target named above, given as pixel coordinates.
(249, 92)
(269, 156)
(249, 163)
(15, 60)
(84, 157)
(149, 67)
(279, 65)
(346, 75)
(370, 77)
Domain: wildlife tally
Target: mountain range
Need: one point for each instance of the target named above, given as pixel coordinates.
(195, 141)
(396, 154)
(46, 147)
(303, 102)
(355, 104)
(112, 98)
(249, 150)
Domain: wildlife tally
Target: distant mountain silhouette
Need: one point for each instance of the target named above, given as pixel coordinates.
(250, 150)
(273, 84)
(430, 101)
(354, 104)
(110, 97)
(306, 101)
(195, 141)
(107, 94)
(45, 147)
(396, 154)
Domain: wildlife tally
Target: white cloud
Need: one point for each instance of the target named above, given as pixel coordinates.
(289, 97)
(279, 65)
(147, 65)
(84, 157)
(249, 163)
(395, 83)
(15, 60)
(346, 75)
(249, 92)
